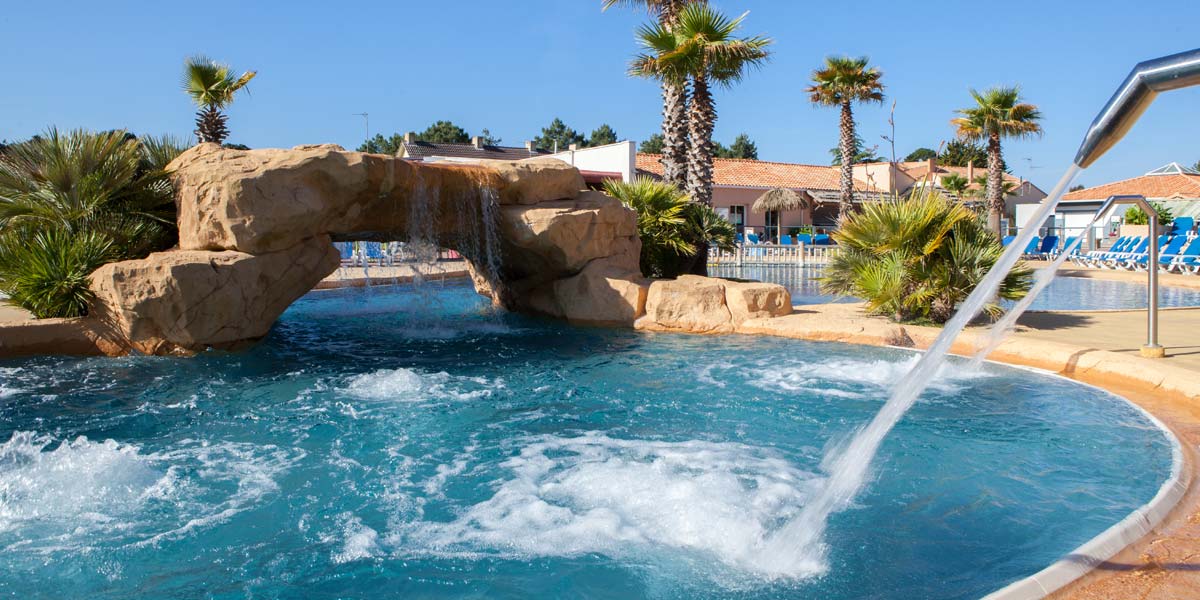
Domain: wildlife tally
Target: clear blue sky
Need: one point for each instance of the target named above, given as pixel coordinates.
(513, 66)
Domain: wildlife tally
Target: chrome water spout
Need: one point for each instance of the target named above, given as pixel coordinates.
(1132, 99)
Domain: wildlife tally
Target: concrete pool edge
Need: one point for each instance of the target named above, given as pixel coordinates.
(1115, 373)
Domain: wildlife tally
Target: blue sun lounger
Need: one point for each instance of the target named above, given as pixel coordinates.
(1186, 261)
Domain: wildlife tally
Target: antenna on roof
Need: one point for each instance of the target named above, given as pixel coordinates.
(366, 123)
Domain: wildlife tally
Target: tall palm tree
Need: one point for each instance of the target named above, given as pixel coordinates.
(674, 92)
(212, 87)
(998, 113)
(702, 47)
(842, 82)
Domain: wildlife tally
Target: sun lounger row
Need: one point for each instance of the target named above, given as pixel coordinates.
(1176, 253)
(819, 239)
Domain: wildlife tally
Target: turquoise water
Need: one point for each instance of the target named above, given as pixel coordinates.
(1064, 293)
(396, 444)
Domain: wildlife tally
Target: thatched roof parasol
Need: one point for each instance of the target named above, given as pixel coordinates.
(783, 199)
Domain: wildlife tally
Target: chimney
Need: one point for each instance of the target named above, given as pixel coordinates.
(529, 147)
(932, 164)
(971, 172)
(410, 137)
(477, 141)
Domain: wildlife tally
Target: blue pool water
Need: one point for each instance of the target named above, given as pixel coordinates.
(1064, 293)
(392, 444)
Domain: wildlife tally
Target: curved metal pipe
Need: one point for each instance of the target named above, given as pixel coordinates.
(1132, 99)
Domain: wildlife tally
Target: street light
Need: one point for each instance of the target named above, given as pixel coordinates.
(366, 124)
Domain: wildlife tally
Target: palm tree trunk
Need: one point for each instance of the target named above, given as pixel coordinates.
(702, 117)
(675, 105)
(210, 125)
(675, 133)
(846, 203)
(995, 187)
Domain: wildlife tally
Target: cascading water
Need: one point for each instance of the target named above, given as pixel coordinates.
(848, 467)
(489, 203)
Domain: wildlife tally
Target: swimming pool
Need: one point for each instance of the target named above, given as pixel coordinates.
(1064, 293)
(391, 443)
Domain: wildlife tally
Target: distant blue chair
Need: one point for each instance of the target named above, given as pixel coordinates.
(1032, 247)
(785, 240)
(739, 238)
(1067, 246)
(374, 251)
(1167, 254)
(1008, 239)
(805, 238)
(1048, 246)
(345, 249)
(1119, 260)
(822, 240)
(1188, 261)
(1183, 225)
(753, 238)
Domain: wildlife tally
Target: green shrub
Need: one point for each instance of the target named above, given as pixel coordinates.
(69, 202)
(671, 227)
(47, 274)
(917, 259)
(1136, 216)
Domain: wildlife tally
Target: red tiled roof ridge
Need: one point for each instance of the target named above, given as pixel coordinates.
(1188, 178)
(754, 160)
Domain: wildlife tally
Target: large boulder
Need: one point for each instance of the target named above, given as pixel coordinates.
(552, 240)
(705, 305)
(186, 301)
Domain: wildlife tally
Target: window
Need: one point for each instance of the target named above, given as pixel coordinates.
(772, 228)
(737, 216)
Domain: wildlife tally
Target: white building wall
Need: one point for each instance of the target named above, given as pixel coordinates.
(620, 157)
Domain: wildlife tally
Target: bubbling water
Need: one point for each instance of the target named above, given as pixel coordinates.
(848, 467)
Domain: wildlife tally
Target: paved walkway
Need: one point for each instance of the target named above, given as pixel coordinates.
(1120, 331)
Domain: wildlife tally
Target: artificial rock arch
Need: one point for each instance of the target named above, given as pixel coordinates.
(256, 230)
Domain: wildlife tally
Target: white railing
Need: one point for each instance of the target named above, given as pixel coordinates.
(771, 255)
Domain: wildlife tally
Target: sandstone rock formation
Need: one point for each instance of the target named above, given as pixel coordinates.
(705, 305)
(256, 230)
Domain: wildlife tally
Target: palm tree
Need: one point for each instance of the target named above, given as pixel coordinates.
(917, 258)
(702, 47)
(670, 226)
(956, 184)
(998, 113)
(674, 93)
(70, 202)
(842, 82)
(212, 87)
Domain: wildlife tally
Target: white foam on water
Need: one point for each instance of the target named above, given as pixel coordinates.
(359, 542)
(79, 493)
(689, 502)
(5, 389)
(410, 385)
(78, 485)
(846, 377)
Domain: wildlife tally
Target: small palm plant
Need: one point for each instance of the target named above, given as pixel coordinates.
(998, 113)
(841, 82)
(212, 87)
(670, 226)
(917, 259)
(70, 202)
(956, 184)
